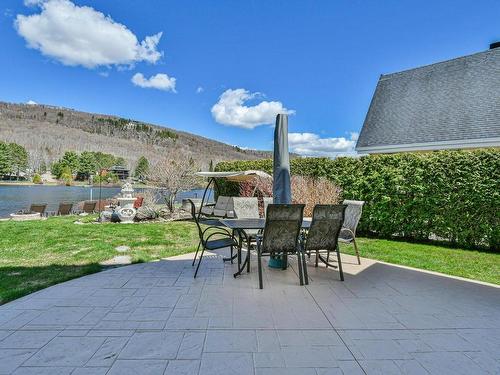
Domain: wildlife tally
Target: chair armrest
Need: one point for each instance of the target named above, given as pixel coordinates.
(218, 229)
(224, 234)
(348, 231)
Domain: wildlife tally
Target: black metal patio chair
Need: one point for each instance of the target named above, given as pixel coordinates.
(323, 234)
(206, 243)
(281, 235)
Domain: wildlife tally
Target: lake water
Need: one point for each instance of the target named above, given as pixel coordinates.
(17, 197)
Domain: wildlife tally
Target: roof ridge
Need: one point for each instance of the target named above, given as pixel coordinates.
(383, 76)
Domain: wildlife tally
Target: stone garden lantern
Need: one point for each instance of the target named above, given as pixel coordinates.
(126, 211)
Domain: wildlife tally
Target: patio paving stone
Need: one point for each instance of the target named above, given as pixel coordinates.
(154, 318)
(134, 367)
(66, 351)
(152, 345)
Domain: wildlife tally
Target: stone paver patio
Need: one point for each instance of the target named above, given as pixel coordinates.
(155, 318)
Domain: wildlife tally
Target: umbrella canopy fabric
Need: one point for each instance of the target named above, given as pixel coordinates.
(282, 191)
(236, 176)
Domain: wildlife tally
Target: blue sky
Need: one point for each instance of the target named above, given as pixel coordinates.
(222, 69)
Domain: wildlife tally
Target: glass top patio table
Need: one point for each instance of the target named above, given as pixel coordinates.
(240, 225)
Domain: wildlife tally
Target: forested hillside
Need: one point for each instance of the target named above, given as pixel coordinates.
(47, 132)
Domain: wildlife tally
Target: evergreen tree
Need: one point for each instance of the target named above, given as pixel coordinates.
(104, 160)
(142, 168)
(120, 161)
(70, 160)
(86, 165)
(18, 158)
(5, 166)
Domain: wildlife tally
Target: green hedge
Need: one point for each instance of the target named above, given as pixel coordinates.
(450, 195)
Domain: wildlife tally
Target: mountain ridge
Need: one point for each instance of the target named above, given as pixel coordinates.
(47, 131)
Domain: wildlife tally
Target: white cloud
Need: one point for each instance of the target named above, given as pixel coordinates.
(30, 3)
(159, 81)
(80, 35)
(31, 102)
(199, 90)
(231, 110)
(310, 144)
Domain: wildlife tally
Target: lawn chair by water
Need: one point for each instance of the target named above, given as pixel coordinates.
(225, 238)
(64, 209)
(323, 234)
(281, 235)
(89, 207)
(38, 208)
(351, 220)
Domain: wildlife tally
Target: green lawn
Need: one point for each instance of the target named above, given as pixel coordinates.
(37, 254)
(471, 264)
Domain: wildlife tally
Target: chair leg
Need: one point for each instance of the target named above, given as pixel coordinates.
(259, 263)
(248, 254)
(231, 256)
(196, 254)
(304, 264)
(340, 264)
(317, 259)
(356, 249)
(199, 262)
(327, 258)
(299, 265)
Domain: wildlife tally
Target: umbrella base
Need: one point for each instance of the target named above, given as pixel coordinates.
(275, 262)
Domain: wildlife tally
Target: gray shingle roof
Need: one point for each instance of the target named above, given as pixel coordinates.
(451, 101)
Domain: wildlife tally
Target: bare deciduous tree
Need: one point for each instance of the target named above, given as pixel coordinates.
(312, 191)
(172, 174)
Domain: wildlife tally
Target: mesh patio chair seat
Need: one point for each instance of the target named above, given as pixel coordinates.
(267, 201)
(351, 220)
(324, 233)
(246, 208)
(281, 236)
(206, 243)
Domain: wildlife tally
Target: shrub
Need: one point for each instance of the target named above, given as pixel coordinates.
(307, 190)
(37, 179)
(450, 195)
(312, 191)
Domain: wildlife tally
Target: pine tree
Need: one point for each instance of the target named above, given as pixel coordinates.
(142, 168)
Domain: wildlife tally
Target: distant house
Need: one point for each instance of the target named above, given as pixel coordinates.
(452, 104)
(121, 172)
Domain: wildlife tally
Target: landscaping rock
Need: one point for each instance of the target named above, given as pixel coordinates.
(122, 249)
(146, 213)
(120, 260)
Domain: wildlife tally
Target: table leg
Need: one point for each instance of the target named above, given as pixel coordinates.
(246, 263)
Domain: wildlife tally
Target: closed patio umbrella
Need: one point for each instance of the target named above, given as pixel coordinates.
(282, 192)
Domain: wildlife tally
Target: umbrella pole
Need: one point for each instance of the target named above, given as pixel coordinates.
(210, 180)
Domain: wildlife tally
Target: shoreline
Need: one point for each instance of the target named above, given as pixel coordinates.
(29, 183)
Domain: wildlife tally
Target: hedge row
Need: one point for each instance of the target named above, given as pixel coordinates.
(450, 195)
